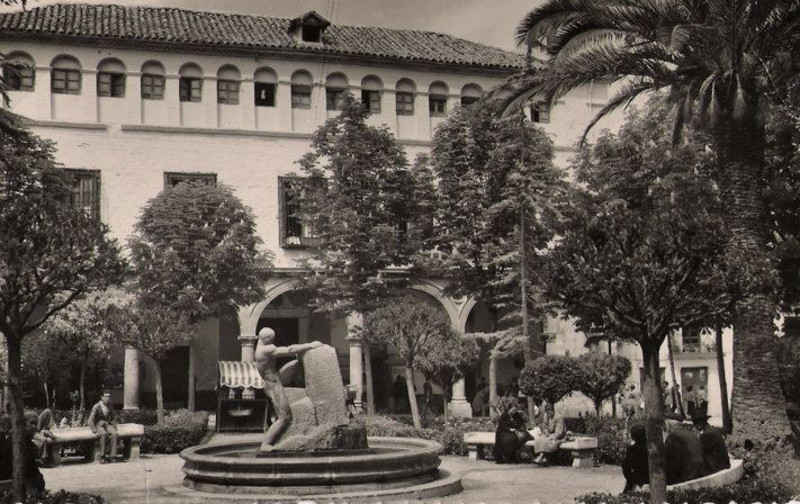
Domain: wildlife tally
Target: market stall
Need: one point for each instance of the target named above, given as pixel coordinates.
(241, 404)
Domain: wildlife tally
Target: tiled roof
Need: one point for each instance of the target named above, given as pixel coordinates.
(137, 24)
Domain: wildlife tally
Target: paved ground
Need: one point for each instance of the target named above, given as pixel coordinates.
(142, 481)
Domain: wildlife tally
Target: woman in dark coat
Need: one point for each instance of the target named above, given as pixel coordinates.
(511, 435)
(635, 467)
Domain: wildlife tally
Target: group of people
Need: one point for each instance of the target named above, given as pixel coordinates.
(695, 401)
(692, 449)
(512, 433)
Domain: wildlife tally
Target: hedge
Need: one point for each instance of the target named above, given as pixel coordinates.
(60, 497)
(180, 430)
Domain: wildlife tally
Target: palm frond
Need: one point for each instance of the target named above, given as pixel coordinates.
(623, 98)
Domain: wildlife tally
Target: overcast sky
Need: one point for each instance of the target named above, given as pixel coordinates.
(490, 22)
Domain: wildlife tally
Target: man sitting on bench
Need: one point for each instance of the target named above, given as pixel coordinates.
(102, 421)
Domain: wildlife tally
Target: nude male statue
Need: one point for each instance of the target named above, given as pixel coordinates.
(265, 355)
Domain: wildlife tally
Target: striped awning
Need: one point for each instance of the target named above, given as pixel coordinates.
(238, 374)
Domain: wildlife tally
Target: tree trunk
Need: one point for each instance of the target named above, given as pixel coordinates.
(492, 385)
(758, 409)
(368, 372)
(412, 397)
(190, 397)
(18, 434)
(159, 392)
(654, 423)
(723, 381)
(613, 398)
(444, 402)
(527, 349)
(671, 356)
(46, 394)
(82, 386)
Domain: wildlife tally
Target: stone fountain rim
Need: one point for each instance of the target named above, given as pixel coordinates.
(418, 447)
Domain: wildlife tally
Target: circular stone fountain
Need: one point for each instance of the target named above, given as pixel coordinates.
(397, 467)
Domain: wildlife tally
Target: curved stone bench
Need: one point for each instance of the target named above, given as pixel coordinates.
(581, 448)
(718, 479)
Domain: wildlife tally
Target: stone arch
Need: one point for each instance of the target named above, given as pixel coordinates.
(447, 303)
(249, 315)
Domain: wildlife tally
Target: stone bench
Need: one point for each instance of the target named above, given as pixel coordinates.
(718, 479)
(130, 434)
(581, 448)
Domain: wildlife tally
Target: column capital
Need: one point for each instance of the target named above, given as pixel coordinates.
(354, 340)
(248, 339)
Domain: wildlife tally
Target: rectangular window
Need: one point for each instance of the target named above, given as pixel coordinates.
(66, 81)
(540, 113)
(468, 100)
(171, 179)
(371, 100)
(265, 94)
(18, 77)
(405, 103)
(228, 92)
(111, 84)
(437, 105)
(334, 98)
(312, 33)
(152, 87)
(301, 96)
(191, 89)
(294, 232)
(85, 195)
(690, 338)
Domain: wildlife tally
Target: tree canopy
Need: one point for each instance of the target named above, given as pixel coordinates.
(601, 376)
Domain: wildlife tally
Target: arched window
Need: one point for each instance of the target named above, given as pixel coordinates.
(153, 81)
(437, 99)
(301, 89)
(470, 94)
(371, 87)
(111, 79)
(65, 77)
(19, 73)
(266, 87)
(335, 88)
(191, 83)
(228, 80)
(404, 97)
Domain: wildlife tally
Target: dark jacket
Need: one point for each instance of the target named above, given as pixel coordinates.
(683, 459)
(715, 453)
(635, 467)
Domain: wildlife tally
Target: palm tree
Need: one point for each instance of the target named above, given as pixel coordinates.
(717, 60)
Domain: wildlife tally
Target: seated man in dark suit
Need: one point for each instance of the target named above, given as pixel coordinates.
(635, 466)
(683, 454)
(715, 453)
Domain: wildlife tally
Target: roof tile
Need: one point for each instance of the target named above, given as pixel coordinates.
(154, 24)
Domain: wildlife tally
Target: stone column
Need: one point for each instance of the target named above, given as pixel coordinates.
(356, 367)
(248, 342)
(459, 406)
(130, 396)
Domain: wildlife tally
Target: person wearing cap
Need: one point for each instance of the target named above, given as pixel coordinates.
(715, 453)
(635, 466)
(683, 453)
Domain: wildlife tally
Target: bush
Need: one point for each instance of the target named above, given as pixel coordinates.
(550, 378)
(180, 430)
(140, 416)
(450, 435)
(60, 497)
(612, 437)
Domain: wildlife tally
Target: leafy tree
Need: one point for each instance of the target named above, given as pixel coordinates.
(639, 250)
(367, 211)
(84, 333)
(550, 378)
(497, 183)
(196, 251)
(720, 60)
(412, 326)
(50, 254)
(45, 363)
(601, 376)
(152, 328)
(448, 359)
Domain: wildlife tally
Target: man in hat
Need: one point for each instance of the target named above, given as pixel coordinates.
(715, 453)
(683, 453)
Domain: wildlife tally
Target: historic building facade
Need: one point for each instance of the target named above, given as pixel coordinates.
(141, 98)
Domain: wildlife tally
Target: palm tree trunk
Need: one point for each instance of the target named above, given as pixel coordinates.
(654, 423)
(723, 381)
(412, 397)
(758, 411)
(159, 392)
(14, 348)
(671, 355)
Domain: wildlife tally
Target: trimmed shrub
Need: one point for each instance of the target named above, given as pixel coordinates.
(180, 430)
(60, 497)
(450, 435)
(612, 438)
(550, 378)
(140, 416)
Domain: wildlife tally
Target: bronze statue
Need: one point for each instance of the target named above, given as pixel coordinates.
(265, 355)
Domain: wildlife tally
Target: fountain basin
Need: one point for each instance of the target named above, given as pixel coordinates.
(233, 468)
